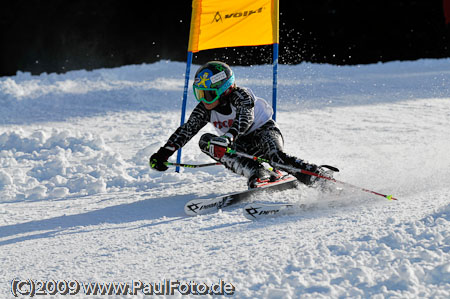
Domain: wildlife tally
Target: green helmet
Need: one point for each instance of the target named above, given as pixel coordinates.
(212, 80)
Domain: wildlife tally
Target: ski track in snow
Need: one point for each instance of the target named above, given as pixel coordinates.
(78, 201)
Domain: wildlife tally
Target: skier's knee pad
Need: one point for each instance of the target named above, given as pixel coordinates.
(281, 157)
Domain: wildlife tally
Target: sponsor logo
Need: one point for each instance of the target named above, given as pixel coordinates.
(218, 77)
(211, 205)
(217, 18)
(198, 206)
(193, 207)
(223, 124)
(240, 14)
(255, 211)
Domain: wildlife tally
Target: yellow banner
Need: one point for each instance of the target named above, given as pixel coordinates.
(232, 23)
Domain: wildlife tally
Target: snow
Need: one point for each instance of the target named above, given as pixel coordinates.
(79, 202)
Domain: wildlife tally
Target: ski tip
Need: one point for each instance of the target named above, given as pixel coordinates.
(193, 208)
(202, 206)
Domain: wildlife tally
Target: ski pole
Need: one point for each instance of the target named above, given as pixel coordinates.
(231, 151)
(390, 197)
(191, 165)
(255, 158)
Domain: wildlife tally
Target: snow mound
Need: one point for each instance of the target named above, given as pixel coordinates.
(57, 164)
(74, 176)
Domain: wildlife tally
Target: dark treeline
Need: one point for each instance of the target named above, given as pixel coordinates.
(57, 35)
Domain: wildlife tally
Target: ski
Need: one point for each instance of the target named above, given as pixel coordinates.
(255, 211)
(208, 205)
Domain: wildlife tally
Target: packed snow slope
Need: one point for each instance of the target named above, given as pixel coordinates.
(79, 202)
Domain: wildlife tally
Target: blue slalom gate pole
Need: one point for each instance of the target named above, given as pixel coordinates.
(275, 74)
(183, 106)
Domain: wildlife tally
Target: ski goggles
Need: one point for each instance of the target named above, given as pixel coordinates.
(210, 95)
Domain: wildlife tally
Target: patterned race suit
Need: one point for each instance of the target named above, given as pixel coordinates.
(248, 119)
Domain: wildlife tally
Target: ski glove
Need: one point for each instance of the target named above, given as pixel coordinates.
(158, 159)
(218, 145)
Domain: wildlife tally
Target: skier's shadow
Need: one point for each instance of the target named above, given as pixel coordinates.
(147, 209)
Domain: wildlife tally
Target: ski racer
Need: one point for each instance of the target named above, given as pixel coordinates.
(244, 122)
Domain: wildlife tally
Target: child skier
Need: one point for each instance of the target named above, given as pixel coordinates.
(244, 122)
